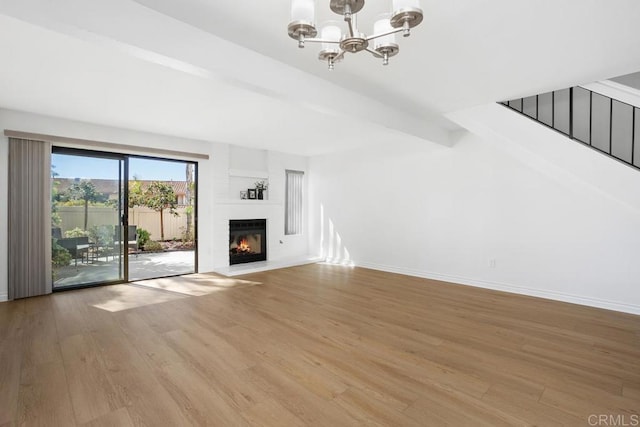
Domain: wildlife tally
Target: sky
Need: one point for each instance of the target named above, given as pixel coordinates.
(67, 166)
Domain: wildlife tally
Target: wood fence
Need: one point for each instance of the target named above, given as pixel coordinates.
(148, 219)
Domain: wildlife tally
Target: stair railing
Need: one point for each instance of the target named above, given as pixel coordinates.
(595, 120)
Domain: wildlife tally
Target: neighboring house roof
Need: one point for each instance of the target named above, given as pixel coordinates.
(110, 186)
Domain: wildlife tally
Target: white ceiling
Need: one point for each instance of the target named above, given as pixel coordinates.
(226, 70)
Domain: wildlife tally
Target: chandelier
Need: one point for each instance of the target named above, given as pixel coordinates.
(405, 15)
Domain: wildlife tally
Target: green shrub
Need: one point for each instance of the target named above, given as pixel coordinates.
(143, 237)
(153, 246)
(60, 257)
(76, 232)
(187, 237)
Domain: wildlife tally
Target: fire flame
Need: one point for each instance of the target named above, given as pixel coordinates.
(243, 246)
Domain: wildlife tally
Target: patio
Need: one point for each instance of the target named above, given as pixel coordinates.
(141, 266)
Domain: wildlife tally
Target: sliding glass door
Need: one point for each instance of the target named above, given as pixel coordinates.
(87, 214)
(118, 218)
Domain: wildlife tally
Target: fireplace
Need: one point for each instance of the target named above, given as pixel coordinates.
(247, 240)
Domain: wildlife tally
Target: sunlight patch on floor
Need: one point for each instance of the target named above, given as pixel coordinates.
(124, 297)
(195, 284)
(147, 292)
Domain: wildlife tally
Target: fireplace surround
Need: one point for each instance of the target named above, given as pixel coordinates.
(247, 240)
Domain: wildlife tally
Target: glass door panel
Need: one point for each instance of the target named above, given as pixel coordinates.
(87, 212)
(162, 222)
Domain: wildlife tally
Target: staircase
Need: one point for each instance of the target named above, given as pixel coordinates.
(605, 124)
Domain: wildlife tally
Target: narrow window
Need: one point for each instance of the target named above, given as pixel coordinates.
(293, 202)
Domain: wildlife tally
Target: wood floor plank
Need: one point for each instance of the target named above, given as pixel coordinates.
(150, 345)
(225, 381)
(296, 398)
(44, 398)
(12, 325)
(612, 373)
(40, 339)
(119, 417)
(270, 413)
(11, 319)
(10, 368)
(631, 391)
(312, 345)
(92, 394)
(148, 403)
(524, 402)
(312, 377)
(444, 407)
(400, 364)
(199, 402)
(370, 411)
(582, 403)
(134, 381)
(70, 313)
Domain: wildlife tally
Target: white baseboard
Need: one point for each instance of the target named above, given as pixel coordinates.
(4, 297)
(506, 287)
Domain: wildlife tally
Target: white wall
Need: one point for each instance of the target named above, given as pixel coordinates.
(4, 216)
(215, 207)
(492, 211)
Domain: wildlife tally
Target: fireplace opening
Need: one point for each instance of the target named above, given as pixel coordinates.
(247, 240)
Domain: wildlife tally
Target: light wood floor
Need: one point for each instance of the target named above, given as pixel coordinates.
(313, 345)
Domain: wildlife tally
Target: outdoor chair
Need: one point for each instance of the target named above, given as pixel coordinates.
(56, 233)
(102, 237)
(132, 244)
(77, 247)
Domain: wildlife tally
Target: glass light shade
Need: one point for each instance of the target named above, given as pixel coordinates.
(330, 32)
(404, 4)
(303, 10)
(383, 25)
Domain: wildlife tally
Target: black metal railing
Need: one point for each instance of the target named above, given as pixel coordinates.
(602, 123)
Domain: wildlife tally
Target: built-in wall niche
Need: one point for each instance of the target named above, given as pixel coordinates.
(247, 167)
(243, 185)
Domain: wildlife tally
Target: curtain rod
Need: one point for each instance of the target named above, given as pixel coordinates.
(101, 144)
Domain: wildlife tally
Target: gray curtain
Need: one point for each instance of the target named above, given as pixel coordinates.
(29, 218)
